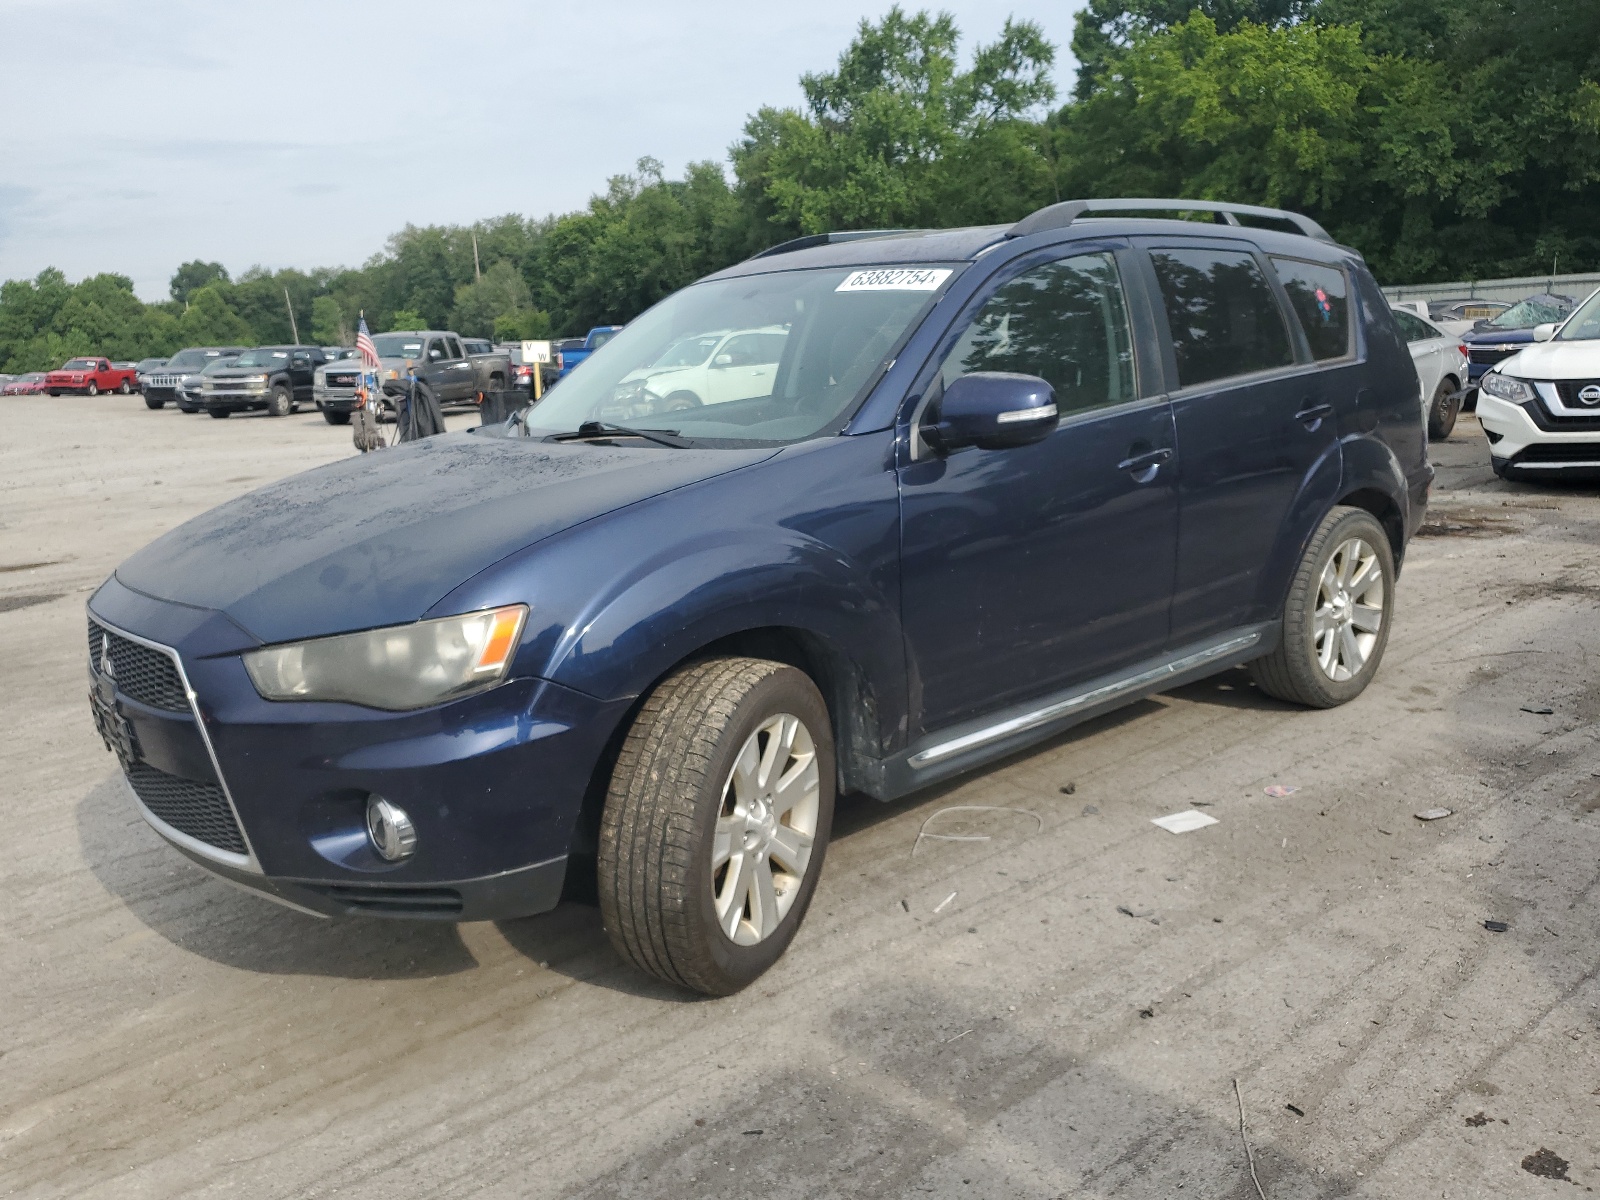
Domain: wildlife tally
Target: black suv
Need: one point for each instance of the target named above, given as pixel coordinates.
(276, 378)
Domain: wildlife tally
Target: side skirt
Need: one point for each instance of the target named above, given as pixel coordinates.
(973, 744)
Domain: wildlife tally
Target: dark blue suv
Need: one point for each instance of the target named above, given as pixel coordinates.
(932, 497)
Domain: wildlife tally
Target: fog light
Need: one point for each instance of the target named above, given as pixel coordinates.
(393, 835)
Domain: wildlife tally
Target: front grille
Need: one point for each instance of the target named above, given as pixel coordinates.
(1560, 452)
(142, 674)
(197, 809)
(1484, 356)
(1568, 390)
(163, 381)
(392, 901)
(348, 381)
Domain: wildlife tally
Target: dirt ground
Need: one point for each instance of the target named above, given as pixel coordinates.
(1061, 1010)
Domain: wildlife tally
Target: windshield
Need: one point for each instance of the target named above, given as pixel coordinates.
(226, 363)
(398, 345)
(1535, 310)
(260, 358)
(79, 364)
(797, 350)
(690, 352)
(190, 360)
(1584, 325)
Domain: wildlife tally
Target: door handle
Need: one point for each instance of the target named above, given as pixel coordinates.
(1146, 464)
(1312, 417)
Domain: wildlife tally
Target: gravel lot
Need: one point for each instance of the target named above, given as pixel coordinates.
(1071, 1023)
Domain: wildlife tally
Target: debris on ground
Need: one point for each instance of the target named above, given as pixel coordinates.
(1091, 810)
(938, 908)
(1496, 926)
(1147, 1012)
(1546, 1165)
(1537, 711)
(924, 835)
(1250, 1155)
(1434, 814)
(1279, 790)
(1295, 1109)
(1147, 915)
(1184, 822)
(1068, 789)
(1479, 1119)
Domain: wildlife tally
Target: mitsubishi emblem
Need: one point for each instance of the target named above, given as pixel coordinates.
(107, 667)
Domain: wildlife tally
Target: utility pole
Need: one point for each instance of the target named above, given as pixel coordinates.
(477, 271)
(293, 328)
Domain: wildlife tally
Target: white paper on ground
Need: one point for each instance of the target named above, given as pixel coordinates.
(1184, 822)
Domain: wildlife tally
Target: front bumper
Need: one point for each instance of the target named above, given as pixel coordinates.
(1521, 449)
(234, 401)
(336, 399)
(494, 783)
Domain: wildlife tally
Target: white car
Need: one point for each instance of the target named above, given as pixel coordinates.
(714, 368)
(1541, 407)
(1441, 362)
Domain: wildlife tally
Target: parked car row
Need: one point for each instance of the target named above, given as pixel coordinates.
(449, 367)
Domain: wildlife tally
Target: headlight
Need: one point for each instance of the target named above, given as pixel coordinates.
(255, 378)
(403, 667)
(1506, 387)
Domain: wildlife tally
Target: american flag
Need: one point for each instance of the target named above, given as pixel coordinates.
(365, 348)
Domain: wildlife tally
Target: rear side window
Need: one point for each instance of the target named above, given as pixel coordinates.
(1065, 322)
(1224, 317)
(1413, 328)
(1320, 297)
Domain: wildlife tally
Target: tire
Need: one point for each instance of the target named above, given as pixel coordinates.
(681, 402)
(335, 418)
(1296, 671)
(220, 413)
(281, 402)
(1443, 409)
(188, 408)
(92, 390)
(124, 388)
(53, 391)
(154, 402)
(675, 789)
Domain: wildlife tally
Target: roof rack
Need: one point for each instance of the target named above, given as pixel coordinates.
(1059, 216)
(824, 239)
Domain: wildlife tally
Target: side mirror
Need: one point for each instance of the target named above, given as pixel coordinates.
(722, 360)
(992, 410)
(1543, 333)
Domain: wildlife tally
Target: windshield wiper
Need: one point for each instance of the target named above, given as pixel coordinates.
(589, 429)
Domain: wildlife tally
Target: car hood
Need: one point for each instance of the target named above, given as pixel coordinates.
(1506, 336)
(1555, 360)
(378, 539)
(243, 372)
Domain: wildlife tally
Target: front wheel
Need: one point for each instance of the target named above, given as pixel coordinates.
(335, 418)
(220, 413)
(1336, 619)
(154, 401)
(279, 402)
(93, 389)
(1443, 410)
(716, 822)
(125, 388)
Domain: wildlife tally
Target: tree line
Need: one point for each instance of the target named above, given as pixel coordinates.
(1445, 139)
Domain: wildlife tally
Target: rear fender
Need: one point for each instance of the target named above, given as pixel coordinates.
(1319, 491)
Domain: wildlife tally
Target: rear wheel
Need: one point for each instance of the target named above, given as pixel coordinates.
(219, 413)
(335, 418)
(154, 401)
(1443, 410)
(1336, 618)
(280, 401)
(716, 822)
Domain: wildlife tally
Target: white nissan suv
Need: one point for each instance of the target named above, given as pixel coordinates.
(1541, 407)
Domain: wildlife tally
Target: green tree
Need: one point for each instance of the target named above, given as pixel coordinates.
(209, 321)
(501, 292)
(329, 326)
(408, 318)
(193, 276)
(895, 132)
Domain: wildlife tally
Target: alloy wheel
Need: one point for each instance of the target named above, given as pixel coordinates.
(1349, 612)
(766, 828)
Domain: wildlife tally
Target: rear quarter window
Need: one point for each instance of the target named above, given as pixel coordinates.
(1320, 296)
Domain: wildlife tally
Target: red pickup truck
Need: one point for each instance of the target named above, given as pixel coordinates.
(91, 376)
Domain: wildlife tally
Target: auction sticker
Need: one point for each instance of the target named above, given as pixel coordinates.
(895, 279)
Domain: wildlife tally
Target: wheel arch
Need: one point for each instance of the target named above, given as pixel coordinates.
(1382, 506)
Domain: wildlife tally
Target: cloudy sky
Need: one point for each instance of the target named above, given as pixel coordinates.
(138, 134)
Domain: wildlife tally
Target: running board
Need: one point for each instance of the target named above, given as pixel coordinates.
(974, 743)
